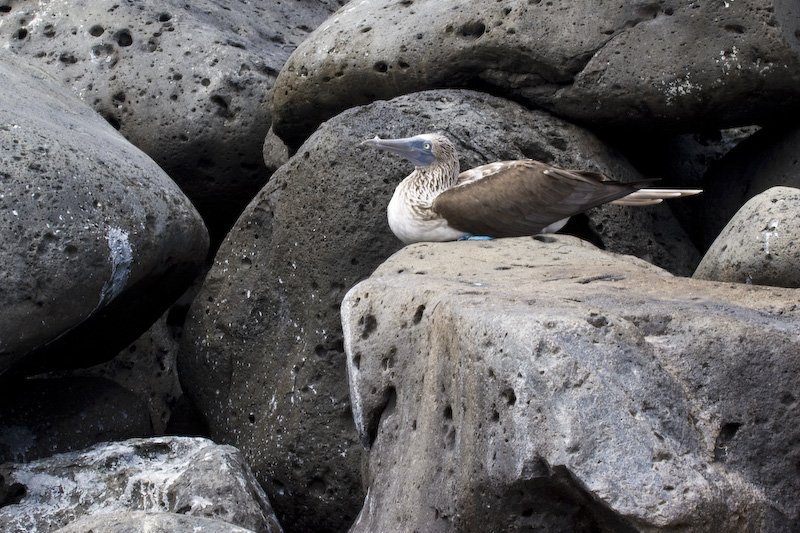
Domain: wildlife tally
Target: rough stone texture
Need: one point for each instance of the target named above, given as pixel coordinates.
(761, 243)
(190, 476)
(188, 83)
(90, 228)
(539, 383)
(637, 63)
(262, 351)
(40, 417)
(766, 159)
(134, 522)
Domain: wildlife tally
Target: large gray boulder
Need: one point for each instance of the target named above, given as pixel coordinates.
(95, 239)
(540, 383)
(761, 243)
(188, 83)
(262, 352)
(634, 63)
(188, 476)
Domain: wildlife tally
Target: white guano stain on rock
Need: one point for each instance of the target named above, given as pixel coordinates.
(678, 88)
(121, 258)
(770, 231)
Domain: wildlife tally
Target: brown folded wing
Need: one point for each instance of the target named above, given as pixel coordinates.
(516, 198)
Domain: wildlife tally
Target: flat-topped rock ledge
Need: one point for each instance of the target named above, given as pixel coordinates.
(543, 383)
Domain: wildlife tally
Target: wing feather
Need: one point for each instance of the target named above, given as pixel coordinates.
(515, 198)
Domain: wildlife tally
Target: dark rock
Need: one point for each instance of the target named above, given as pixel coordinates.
(40, 417)
(766, 159)
(147, 367)
(185, 419)
(543, 384)
(190, 476)
(188, 83)
(95, 239)
(262, 354)
(633, 64)
(761, 243)
(682, 161)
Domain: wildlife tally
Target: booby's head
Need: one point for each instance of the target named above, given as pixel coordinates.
(422, 150)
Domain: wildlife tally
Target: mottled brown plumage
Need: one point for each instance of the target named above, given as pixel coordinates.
(503, 199)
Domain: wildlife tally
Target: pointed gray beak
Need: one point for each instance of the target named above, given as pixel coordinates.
(412, 148)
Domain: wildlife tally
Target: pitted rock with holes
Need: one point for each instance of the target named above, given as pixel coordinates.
(84, 217)
(188, 83)
(541, 383)
(633, 64)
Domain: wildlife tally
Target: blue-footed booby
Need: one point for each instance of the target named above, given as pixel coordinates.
(437, 202)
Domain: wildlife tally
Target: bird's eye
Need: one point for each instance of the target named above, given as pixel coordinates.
(427, 146)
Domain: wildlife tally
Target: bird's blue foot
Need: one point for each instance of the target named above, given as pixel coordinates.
(475, 238)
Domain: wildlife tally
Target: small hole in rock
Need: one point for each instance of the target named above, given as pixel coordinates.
(726, 434)
(68, 58)
(509, 396)
(220, 101)
(113, 121)
(369, 323)
(473, 30)
(96, 30)
(124, 38)
(418, 314)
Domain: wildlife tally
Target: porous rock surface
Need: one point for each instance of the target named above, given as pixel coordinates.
(40, 417)
(540, 383)
(640, 63)
(761, 243)
(262, 353)
(189, 476)
(95, 239)
(136, 521)
(768, 158)
(188, 83)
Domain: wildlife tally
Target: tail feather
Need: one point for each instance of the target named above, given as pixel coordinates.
(648, 196)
